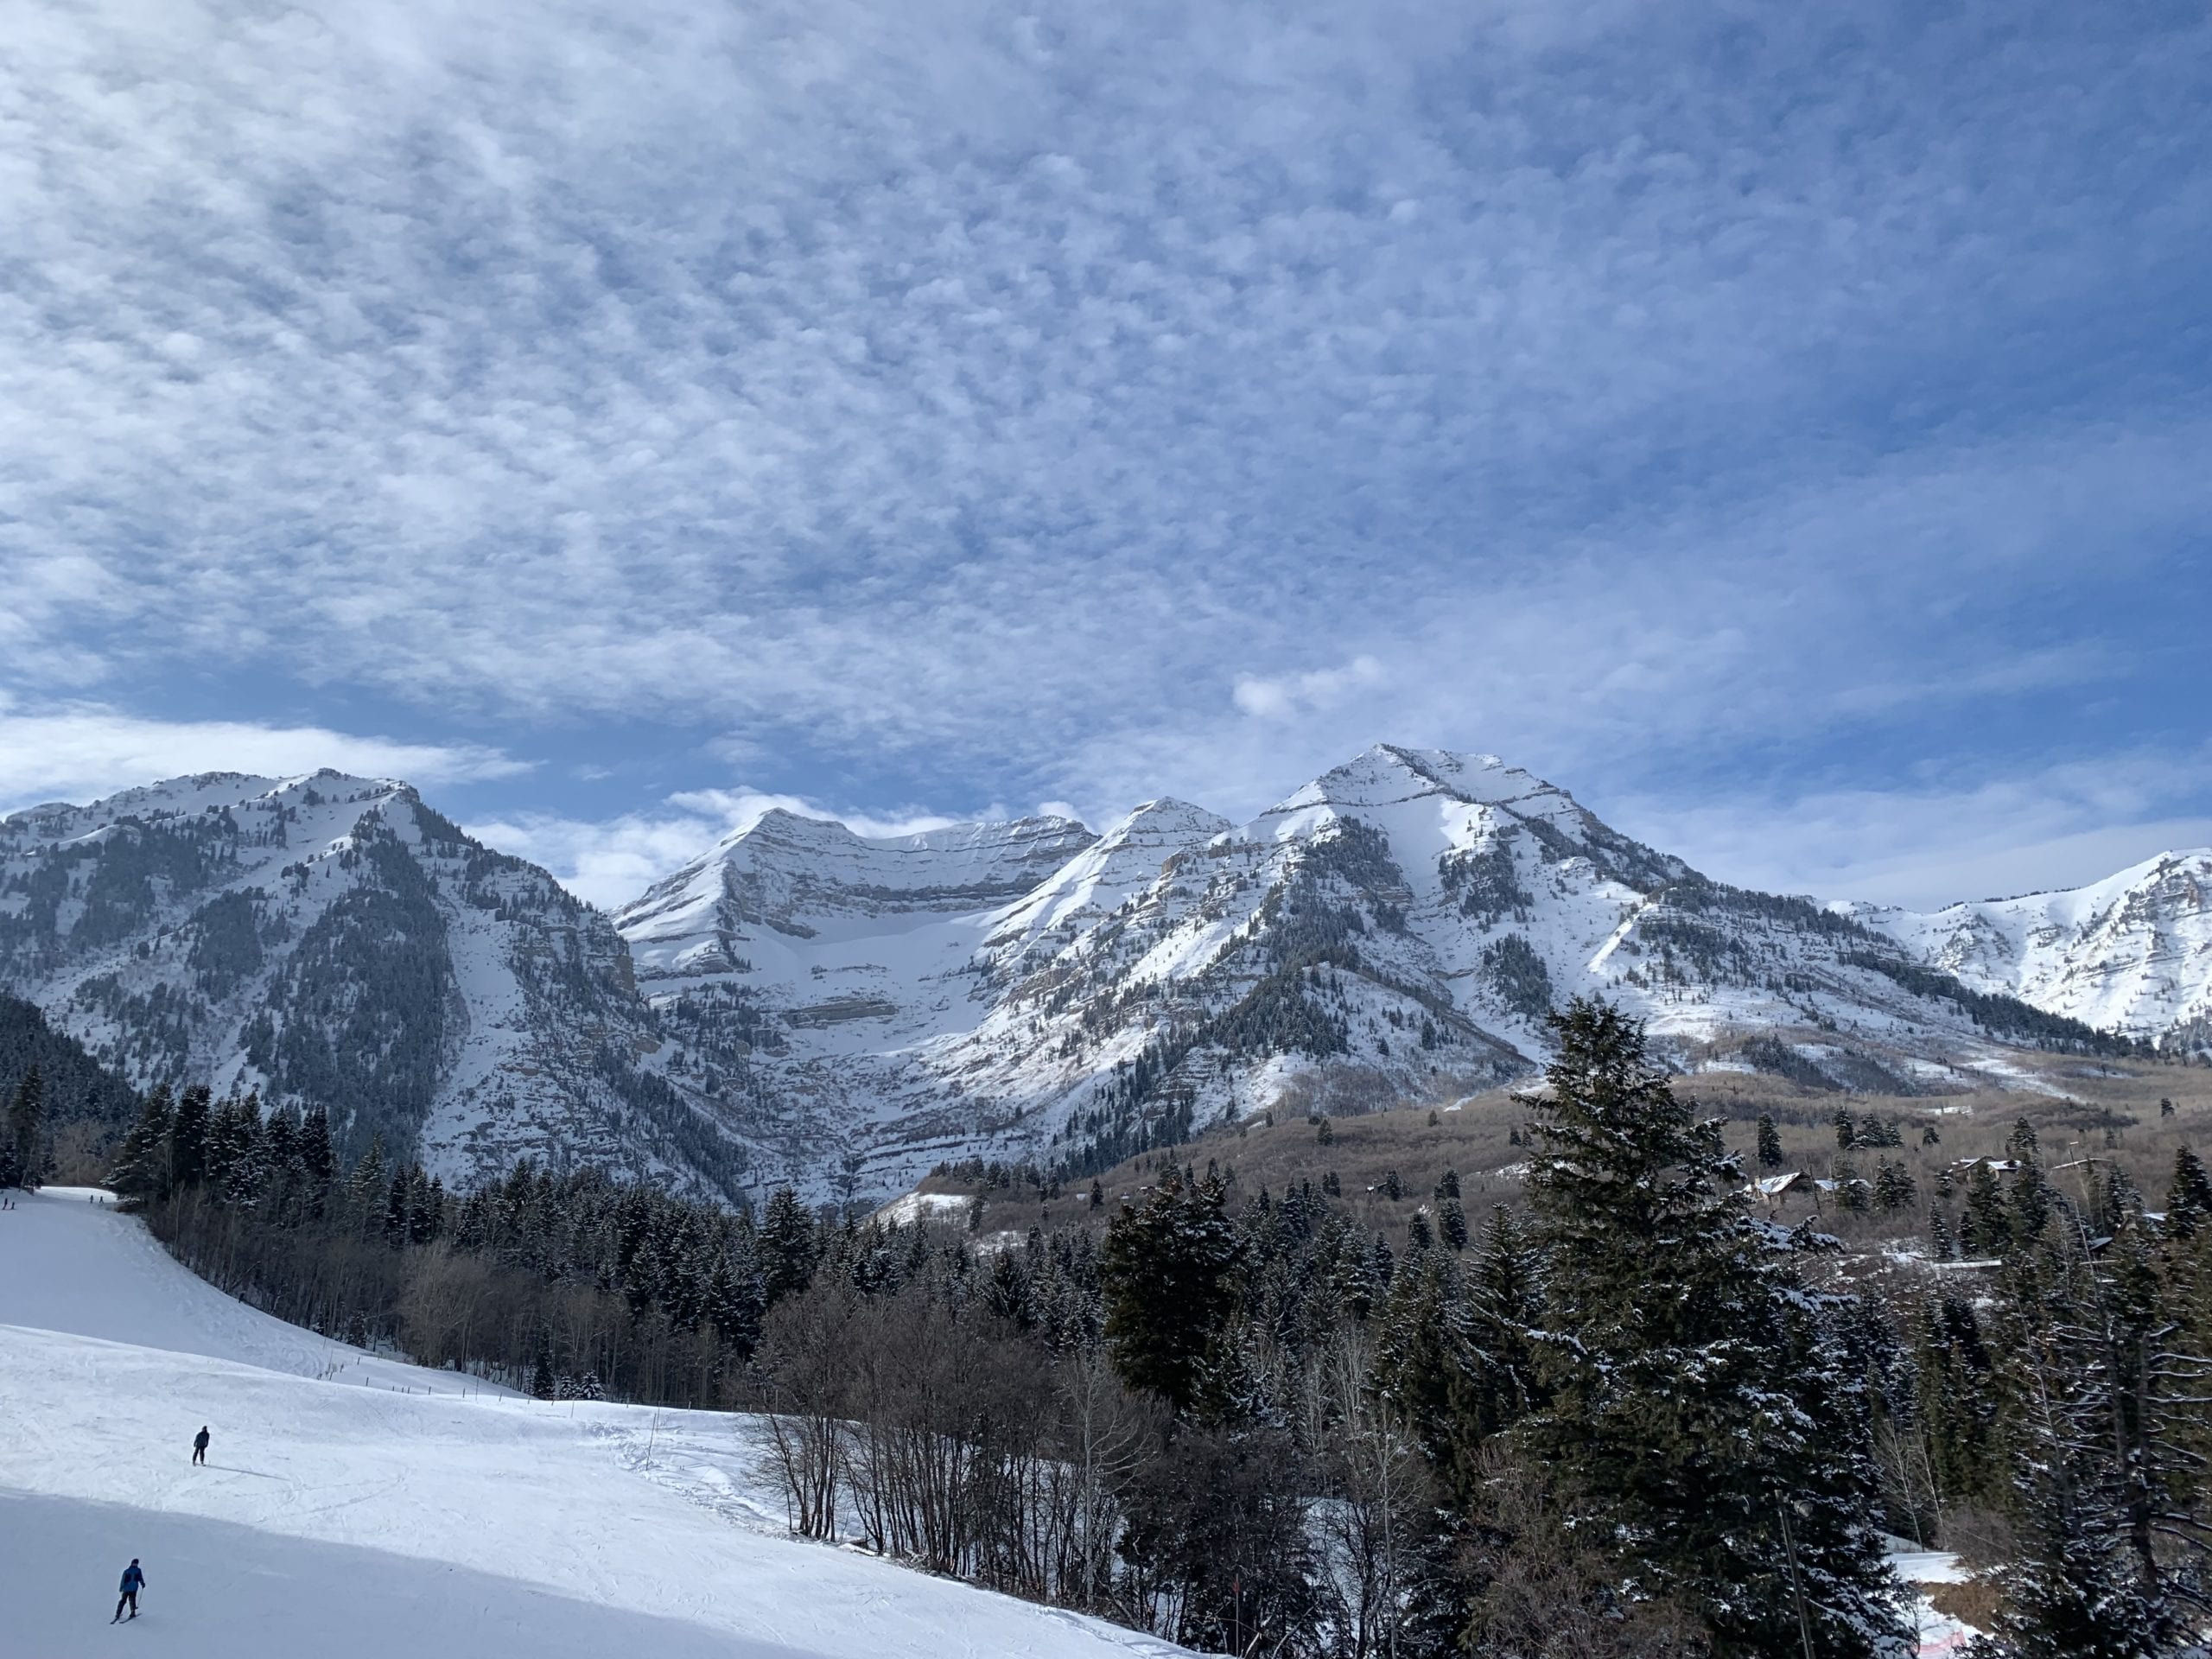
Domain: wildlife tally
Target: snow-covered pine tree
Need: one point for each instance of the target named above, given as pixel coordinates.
(142, 1164)
(1702, 1418)
(1770, 1143)
(252, 1168)
(2108, 1399)
(1452, 1223)
(1985, 1226)
(188, 1138)
(2189, 1198)
(1894, 1188)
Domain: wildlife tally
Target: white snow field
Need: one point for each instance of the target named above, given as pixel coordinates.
(353, 1507)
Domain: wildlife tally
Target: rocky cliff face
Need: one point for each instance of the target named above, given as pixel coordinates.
(332, 941)
(1396, 928)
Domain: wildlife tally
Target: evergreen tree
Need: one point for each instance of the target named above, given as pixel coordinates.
(1169, 1274)
(1894, 1188)
(250, 1170)
(1850, 1192)
(735, 1298)
(1005, 1291)
(1940, 1245)
(1420, 1338)
(1985, 1229)
(1695, 1387)
(1873, 1132)
(2065, 1597)
(318, 1154)
(1846, 1129)
(1420, 1234)
(1499, 1382)
(2188, 1200)
(542, 1382)
(23, 1154)
(1451, 1224)
(395, 1206)
(364, 1191)
(2030, 1201)
(1770, 1143)
(2107, 1405)
(141, 1175)
(787, 1246)
(187, 1138)
(427, 1210)
(1955, 1395)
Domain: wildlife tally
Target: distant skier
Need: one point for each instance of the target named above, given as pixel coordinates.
(199, 1445)
(133, 1582)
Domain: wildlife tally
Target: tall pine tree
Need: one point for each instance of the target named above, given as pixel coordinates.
(1169, 1271)
(1701, 1416)
(22, 1153)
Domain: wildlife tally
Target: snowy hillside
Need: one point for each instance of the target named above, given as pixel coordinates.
(332, 941)
(2131, 953)
(1396, 928)
(357, 1509)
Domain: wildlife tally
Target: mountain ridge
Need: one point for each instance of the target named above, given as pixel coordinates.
(802, 1001)
(332, 940)
(1182, 967)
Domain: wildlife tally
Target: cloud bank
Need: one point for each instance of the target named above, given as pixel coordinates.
(948, 401)
(84, 752)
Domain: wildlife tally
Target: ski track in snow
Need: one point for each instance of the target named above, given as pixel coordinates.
(353, 1505)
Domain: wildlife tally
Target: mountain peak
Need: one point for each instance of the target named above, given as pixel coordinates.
(193, 793)
(1389, 777)
(1165, 816)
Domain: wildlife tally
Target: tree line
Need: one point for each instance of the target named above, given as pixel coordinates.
(1627, 1418)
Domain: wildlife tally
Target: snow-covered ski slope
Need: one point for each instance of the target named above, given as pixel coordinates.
(343, 1515)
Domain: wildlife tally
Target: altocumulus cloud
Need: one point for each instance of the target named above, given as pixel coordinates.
(1118, 399)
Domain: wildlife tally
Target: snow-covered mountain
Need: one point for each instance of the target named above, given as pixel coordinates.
(333, 941)
(1395, 930)
(2132, 953)
(803, 1001)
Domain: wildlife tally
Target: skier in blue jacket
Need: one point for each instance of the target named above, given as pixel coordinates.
(133, 1582)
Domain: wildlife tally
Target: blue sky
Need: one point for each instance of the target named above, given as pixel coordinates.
(1786, 427)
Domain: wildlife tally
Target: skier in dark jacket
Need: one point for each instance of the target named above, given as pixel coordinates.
(133, 1582)
(199, 1445)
